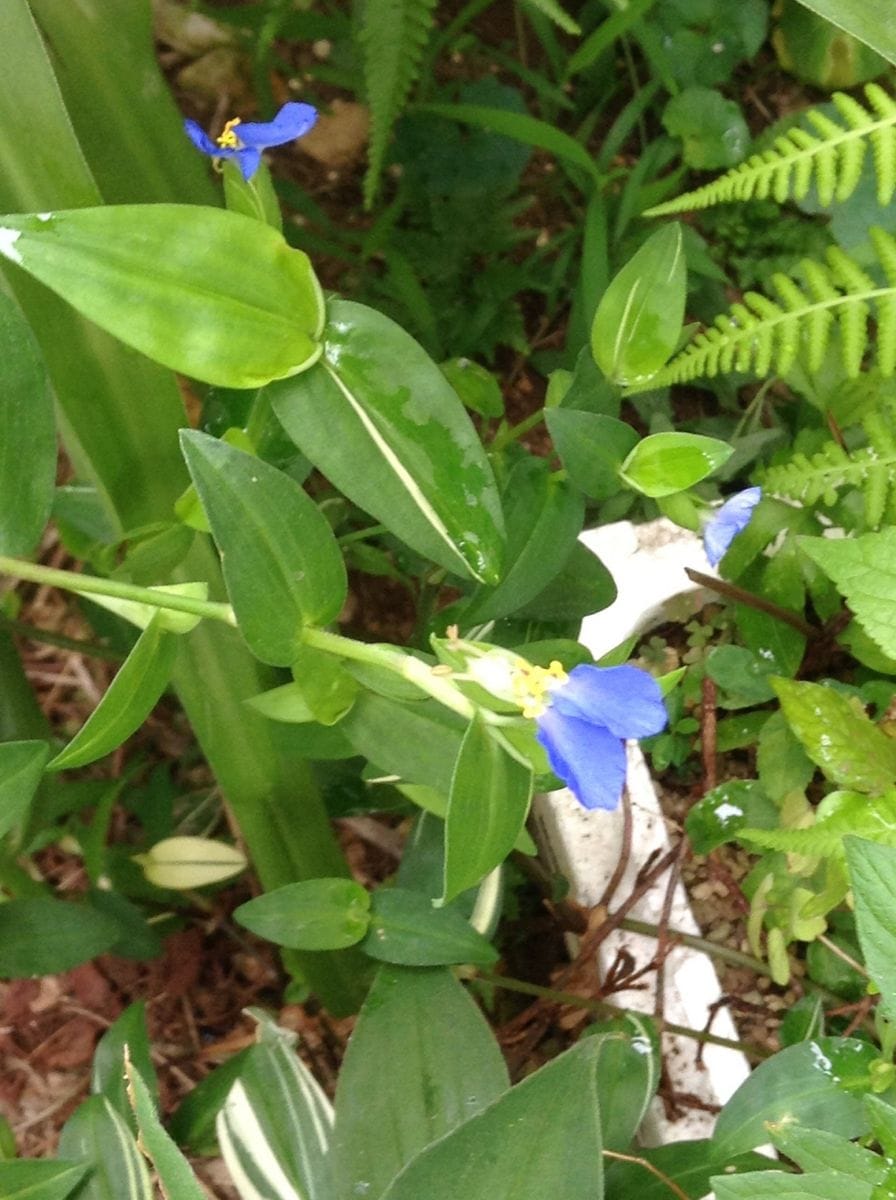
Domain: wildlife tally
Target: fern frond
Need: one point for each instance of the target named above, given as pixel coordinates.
(870, 469)
(392, 36)
(830, 153)
(765, 334)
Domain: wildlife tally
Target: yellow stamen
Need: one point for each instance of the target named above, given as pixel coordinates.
(532, 686)
(228, 139)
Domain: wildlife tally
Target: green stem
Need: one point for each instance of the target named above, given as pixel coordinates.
(360, 535)
(505, 436)
(60, 641)
(72, 581)
(413, 669)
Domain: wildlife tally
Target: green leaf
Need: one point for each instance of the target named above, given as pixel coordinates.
(734, 805)
(638, 322)
(664, 463)
(871, 874)
(818, 1084)
(42, 936)
(864, 570)
(280, 559)
(689, 1164)
(743, 676)
(583, 586)
(27, 436)
(770, 1185)
(319, 914)
(222, 297)
(407, 930)
(592, 448)
(868, 20)
(542, 1138)
(712, 129)
(477, 388)
(817, 1150)
(544, 517)
(107, 1073)
(21, 768)
(97, 1133)
(521, 127)
(487, 806)
(275, 1127)
(838, 736)
(192, 1124)
(782, 762)
(419, 742)
(419, 1030)
(377, 399)
(630, 1065)
(128, 701)
(174, 1173)
(23, 1179)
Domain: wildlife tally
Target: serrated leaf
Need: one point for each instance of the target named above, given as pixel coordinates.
(222, 296)
(377, 398)
(128, 701)
(280, 558)
(871, 870)
(838, 737)
(864, 570)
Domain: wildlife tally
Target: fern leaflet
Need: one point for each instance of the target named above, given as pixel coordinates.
(870, 469)
(764, 335)
(393, 35)
(830, 153)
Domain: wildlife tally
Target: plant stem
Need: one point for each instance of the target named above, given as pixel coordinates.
(505, 436)
(413, 669)
(72, 581)
(733, 592)
(603, 1009)
(61, 642)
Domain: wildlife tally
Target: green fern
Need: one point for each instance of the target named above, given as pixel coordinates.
(393, 35)
(870, 469)
(831, 155)
(764, 335)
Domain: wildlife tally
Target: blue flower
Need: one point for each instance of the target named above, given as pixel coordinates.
(245, 142)
(583, 720)
(727, 522)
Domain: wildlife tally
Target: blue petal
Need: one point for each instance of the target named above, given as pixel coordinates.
(200, 139)
(588, 758)
(291, 122)
(625, 700)
(725, 524)
(249, 160)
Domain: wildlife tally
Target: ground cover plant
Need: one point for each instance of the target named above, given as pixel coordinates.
(274, 395)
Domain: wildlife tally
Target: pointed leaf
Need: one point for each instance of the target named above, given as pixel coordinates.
(280, 559)
(318, 914)
(871, 872)
(406, 929)
(174, 1172)
(21, 768)
(97, 1133)
(664, 463)
(27, 435)
(638, 321)
(24, 1179)
(487, 807)
(377, 399)
(42, 936)
(540, 1139)
(107, 1074)
(419, 1030)
(129, 700)
(222, 297)
(275, 1126)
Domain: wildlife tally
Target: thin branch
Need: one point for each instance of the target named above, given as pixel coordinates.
(649, 1166)
(742, 596)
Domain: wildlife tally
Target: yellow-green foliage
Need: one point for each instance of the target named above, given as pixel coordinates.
(764, 335)
(822, 151)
